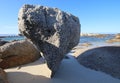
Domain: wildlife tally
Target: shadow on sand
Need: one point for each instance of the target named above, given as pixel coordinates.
(69, 72)
(24, 77)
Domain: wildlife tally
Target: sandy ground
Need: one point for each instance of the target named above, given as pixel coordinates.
(81, 48)
(70, 71)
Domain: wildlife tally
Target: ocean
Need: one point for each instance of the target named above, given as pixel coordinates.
(11, 38)
(83, 39)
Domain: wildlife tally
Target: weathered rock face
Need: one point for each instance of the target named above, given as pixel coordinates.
(3, 77)
(3, 42)
(106, 59)
(17, 53)
(53, 31)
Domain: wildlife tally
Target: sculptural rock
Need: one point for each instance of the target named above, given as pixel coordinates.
(53, 31)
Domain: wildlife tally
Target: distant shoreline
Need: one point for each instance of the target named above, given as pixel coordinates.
(9, 36)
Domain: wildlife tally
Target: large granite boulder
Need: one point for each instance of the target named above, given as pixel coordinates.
(53, 31)
(106, 59)
(17, 53)
(3, 76)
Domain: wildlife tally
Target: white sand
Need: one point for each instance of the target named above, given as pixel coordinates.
(79, 49)
(70, 71)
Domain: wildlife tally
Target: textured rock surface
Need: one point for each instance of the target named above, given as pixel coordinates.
(17, 53)
(117, 36)
(3, 42)
(106, 59)
(53, 31)
(3, 77)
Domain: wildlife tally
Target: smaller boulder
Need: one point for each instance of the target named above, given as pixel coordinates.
(18, 53)
(3, 76)
(115, 39)
(105, 59)
(117, 36)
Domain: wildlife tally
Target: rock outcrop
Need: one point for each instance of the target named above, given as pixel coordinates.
(117, 36)
(17, 53)
(97, 35)
(106, 59)
(3, 42)
(53, 31)
(3, 76)
(115, 39)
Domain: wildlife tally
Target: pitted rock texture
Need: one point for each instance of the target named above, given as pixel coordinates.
(53, 31)
(105, 59)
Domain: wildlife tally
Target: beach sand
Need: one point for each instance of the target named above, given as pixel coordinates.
(82, 47)
(70, 71)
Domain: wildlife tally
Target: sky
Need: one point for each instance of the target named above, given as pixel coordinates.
(96, 16)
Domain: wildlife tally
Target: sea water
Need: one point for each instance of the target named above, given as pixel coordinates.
(99, 41)
(83, 39)
(12, 38)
